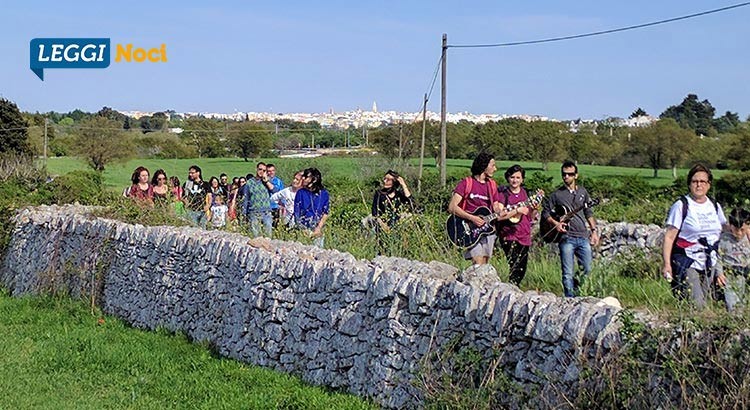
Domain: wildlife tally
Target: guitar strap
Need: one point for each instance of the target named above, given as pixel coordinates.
(491, 189)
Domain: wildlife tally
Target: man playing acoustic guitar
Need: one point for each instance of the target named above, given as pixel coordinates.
(479, 190)
(575, 237)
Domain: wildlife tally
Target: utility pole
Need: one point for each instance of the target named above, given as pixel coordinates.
(46, 121)
(421, 150)
(364, 134)
(443, 129)
(400, 139)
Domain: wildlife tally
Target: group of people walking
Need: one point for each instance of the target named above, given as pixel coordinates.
(705, 254)
(512, 210)
(259, 200)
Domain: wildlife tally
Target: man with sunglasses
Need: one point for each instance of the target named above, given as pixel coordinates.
(578, 233)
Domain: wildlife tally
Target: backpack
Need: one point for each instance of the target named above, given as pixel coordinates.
(491, 185)
(684, 201)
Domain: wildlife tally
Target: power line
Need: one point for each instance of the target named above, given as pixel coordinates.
(598, 33)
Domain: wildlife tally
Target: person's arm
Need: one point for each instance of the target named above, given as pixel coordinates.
(594, 231)
(298, 204)
(318, 231)
(666, 251)
(547, 207)
(454, 209)
(245, 191)
(376, 204)
(407, 192)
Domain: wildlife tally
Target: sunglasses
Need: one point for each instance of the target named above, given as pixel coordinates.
(568, 174)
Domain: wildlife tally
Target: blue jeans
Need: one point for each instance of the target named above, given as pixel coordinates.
(198, 218)
(581, 248)
(260, 220)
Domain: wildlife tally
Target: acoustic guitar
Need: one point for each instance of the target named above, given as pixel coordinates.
(464, 233)
(560, 213)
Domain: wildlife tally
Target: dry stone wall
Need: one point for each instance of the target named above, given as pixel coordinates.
(367, 326)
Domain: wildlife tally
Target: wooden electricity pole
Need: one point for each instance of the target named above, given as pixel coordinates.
(443, 130)
(421, 150)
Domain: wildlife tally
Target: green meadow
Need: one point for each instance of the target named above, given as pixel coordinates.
(57, 354)
(117, 175)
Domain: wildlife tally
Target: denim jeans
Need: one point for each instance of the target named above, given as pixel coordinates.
(260, 220)
(581, 248)
(198, 218)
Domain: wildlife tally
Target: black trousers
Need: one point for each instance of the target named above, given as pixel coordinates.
(518, 257)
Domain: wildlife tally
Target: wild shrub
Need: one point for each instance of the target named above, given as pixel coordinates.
(84, 187)
(733, 189)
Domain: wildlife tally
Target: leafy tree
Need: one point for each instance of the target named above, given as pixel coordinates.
(385, 141)
(638, 113)
(13, 128)
(78, 115)
(583, 146)
(738, 153)
(204, 134)
(156, 122)
(113, 115)
(692, 114)
(663, 143)
(727, 122)
(504, 138)
(678, 142)
(35, 139)
(546, 141)
(100, 142)
(249, 139)
(645, 141)
(458, 136)
(159, 121)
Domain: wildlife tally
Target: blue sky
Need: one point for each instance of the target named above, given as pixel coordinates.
(297, 56)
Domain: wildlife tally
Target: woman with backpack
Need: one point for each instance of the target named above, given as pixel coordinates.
(694, 225)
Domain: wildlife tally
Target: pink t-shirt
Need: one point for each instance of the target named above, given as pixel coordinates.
(521, 231)
(478, 196)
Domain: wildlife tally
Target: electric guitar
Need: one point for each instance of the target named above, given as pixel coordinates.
(561, 213)
(464, 233)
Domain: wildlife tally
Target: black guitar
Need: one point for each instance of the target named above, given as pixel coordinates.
(465, 234)
(561, 213)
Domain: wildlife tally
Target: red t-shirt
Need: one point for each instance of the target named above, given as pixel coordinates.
(521, 231)
(479, 195)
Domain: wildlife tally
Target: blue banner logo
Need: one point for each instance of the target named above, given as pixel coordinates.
(68, 53)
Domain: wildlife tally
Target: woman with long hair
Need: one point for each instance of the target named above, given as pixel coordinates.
(141, 188)
(160, 187)
(389, 203)
(312, 205)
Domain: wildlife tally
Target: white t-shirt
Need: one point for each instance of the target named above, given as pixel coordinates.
(702, 220)
(285, 199)
(219, 215)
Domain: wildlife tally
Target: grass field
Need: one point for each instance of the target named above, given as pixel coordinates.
(54, 354)
(117, 175)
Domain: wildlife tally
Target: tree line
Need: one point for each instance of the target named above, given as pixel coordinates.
(685, 133)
